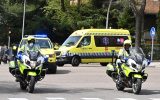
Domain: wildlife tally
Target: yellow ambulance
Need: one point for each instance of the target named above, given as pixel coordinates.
(91, 46)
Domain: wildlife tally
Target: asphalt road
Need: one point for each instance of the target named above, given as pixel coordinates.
(86, 82)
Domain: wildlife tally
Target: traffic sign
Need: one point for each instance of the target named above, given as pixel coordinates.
(152, 32)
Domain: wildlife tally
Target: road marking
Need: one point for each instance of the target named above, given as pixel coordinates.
(155, 91)
(17, 99)
(154, 98)
(125, 98)
(91, 99)
(49, 98)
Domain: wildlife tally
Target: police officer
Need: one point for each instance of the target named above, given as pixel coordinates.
(123, 55)
(30, 46)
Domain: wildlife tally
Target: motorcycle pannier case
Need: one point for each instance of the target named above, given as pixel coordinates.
(110, 69)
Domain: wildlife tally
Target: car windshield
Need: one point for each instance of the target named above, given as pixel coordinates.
(71, 41)
(43, 43)
(137, 55)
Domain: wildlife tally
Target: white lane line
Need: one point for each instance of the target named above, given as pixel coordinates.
(125, 99)
(51, 98)
(156, 91)
(154, 98)
(91, 99)
(17, 99)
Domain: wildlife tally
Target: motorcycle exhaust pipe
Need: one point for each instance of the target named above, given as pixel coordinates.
(43, 73)
(114, 77)
(12, 71)
(17, 72)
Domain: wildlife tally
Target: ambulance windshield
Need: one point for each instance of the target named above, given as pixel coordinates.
(71, 41)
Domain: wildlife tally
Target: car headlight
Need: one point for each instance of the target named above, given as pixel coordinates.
(46, 56)
(64, 53)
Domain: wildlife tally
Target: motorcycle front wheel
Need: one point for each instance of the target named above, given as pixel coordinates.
(23, 85)
(136, 86)
(31, 84)
(119, 87)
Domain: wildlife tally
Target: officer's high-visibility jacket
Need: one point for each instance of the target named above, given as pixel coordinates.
(123, 53)
(26, 47)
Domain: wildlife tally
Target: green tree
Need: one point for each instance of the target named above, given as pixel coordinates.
(125, 17)
(12, 13)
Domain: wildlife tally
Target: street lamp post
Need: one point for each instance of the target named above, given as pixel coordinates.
(108, 13)
(9, 39)
(24, 10)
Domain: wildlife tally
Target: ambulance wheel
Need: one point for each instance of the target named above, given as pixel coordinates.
(103, 64)
(75, 61)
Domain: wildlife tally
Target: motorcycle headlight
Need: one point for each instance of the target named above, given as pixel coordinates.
(38, 63)
(27, 62)
(64, 53)
(134, 65)
(139, 67)
(33, 64)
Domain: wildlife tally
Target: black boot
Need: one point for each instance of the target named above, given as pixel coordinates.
(120, 74)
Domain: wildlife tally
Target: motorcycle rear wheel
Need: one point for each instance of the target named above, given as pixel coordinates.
(31, 84)
(136, 86)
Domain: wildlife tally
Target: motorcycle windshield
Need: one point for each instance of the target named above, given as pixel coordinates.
(33, 55)
(137, 54)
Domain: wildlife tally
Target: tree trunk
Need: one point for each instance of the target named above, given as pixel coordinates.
(138, 7)
(63, 6)
(138, 30)
(79, 3)
(142, 29)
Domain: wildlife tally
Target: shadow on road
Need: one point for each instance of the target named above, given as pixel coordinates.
(67, 91)
(60, 72)
(63, 71)
(149, 92)
(10, 87)
(144, 92)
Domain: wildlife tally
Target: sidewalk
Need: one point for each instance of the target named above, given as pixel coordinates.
(155, 64)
